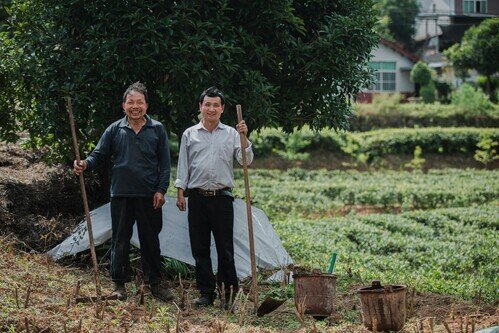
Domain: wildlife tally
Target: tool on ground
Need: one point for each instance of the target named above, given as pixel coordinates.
(254, 285)
(269, 305)
(98, 298)
(331, 263)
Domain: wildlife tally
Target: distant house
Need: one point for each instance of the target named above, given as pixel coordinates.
(392, 67)
(442, 23)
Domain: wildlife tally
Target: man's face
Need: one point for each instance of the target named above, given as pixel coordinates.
(211, 108)
(135, 105)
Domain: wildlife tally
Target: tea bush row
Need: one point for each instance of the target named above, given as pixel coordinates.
(369, 117)
(303, 192)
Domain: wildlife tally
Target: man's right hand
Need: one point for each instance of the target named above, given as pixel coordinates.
(181, 204)
(79, 168)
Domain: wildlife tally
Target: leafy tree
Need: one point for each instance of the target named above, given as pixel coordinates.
(478, 50)
(398, 17)
(288, 63)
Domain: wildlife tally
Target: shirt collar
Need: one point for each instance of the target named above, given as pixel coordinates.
(200, 126)
(124, 121)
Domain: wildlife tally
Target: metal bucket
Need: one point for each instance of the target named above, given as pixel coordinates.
(383, 307)
(317, 291)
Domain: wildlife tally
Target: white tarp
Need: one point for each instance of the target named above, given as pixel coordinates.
(174, 238)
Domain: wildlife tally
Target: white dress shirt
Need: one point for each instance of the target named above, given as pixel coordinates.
(206, 158)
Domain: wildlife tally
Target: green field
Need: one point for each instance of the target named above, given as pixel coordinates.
(446, 241)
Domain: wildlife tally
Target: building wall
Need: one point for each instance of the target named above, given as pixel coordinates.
(403, 65)
(493, 7)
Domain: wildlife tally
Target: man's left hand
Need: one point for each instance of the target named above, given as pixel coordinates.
(158, 200)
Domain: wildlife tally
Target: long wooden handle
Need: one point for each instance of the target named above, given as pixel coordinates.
(248, 212)
(85, 202)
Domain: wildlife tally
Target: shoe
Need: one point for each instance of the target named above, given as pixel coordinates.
(120, 291)
(161, 293)
(205, 300)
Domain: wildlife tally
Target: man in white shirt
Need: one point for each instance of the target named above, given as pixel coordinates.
(205, 169)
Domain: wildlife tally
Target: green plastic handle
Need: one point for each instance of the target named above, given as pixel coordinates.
(331, 264)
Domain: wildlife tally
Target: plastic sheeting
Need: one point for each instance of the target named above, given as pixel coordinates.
(174, 238)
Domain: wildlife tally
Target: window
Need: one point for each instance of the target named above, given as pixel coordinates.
(475, 6)
(385, 75)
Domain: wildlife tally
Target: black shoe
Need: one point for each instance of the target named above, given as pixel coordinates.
(205, 300)
(120, 291)
(161, 293)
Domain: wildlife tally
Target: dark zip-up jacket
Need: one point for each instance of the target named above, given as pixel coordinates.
(141, 161)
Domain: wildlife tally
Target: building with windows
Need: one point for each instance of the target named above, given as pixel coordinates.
(442, 23)
(392, 67)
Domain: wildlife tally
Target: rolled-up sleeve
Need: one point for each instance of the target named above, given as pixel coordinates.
(239, 153)
(164, 161)
(183, 166)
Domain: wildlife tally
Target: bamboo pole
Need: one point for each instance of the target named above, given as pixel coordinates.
(248, 212)
(85, 203)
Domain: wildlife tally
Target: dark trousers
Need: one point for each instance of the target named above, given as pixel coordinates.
(124, 212)
(206, 215)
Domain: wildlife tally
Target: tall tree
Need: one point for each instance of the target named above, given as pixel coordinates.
(478, 50)
(398, 20)
(289, 63)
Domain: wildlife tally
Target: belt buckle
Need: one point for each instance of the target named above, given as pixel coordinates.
(209, 193)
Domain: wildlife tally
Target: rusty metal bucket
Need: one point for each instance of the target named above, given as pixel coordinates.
(383, 307)
(316, 291)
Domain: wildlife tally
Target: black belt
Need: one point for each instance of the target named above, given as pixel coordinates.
(212, 193)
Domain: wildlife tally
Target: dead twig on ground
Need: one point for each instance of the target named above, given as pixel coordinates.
(300, 311)
(218, 326)
(447, 328)
(28, 293)
(17, 296)
(242, 308)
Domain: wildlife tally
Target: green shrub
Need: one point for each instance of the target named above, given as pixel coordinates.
(471, 101)
(487, 150)
(418, 161)
(421, 73)
(386, 103)
(427, 92)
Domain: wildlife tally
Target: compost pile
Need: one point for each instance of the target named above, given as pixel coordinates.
(39, 203)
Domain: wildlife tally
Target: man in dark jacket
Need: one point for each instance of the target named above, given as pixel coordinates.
(140, 179)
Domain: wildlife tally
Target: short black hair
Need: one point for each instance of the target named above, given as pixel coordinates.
(137, 87)
(212, 92)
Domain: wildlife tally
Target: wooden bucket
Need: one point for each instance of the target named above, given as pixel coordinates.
(383, 307)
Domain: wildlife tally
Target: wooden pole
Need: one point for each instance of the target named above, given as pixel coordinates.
(85, 203)
(248, 212)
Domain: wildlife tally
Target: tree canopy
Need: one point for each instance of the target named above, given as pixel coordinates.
(289, 63)
(398, 20)
(478, 50)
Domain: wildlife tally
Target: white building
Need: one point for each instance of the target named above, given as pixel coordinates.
(392, 67)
